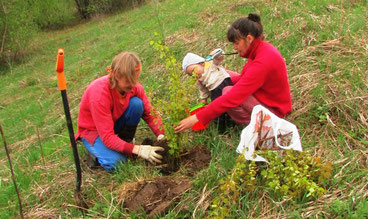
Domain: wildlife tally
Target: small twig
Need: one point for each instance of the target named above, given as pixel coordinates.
(179, 210)
(347, 144)
(161, 166)
(272, 137)
(202, 199)
(84, 209)
(348, 99)
(183, 154)
(260, 141)
(259, 132)
(152, 203)
(342, 168)
(12, 173)
(340, 161)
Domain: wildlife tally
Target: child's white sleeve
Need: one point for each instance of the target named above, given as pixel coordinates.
(204, 93)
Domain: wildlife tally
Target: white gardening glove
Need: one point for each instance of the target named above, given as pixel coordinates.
(160, 137)
(218, 56)
(148, 152)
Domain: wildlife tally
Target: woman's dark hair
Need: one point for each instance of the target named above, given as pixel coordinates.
(244, 26)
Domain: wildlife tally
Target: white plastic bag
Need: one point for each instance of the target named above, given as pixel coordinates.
(275, 133)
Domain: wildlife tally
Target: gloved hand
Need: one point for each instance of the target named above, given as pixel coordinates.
(218, 56)
(148, 152)
(160, 137)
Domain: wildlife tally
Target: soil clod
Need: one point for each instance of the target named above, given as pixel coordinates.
(155, 197)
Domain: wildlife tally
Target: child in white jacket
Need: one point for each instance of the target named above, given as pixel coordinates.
(212, 77)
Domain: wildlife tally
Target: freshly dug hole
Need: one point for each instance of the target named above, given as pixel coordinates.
(155, 197)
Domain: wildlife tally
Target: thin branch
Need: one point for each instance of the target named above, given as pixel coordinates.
(12, 173)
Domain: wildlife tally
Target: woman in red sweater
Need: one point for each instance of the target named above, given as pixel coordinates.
(263, 79)
(110, 110)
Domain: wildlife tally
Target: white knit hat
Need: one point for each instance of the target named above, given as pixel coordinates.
(190, 59)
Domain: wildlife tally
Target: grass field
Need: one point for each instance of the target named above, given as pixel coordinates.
(325, 47)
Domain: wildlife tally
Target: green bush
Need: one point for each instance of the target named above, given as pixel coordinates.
(289, 175)
(52, 14)
(174, 105)
(20, 20)
(16, 28)
(109, 6)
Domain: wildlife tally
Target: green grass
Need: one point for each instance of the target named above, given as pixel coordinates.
(325, 48)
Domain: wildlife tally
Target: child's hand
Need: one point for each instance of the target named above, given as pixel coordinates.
(217, 60)
(216, 52)
(204, 101)
(218, 56)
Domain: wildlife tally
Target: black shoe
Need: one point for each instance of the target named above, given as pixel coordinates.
(224, 123)
(127, 133)
(92, 161)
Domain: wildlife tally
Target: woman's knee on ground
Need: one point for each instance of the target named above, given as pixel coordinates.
(136, 106)
(111, 163)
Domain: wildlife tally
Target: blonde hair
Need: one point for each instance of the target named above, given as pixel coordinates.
(124, 65)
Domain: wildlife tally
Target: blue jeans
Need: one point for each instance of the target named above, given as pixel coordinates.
(109, 158)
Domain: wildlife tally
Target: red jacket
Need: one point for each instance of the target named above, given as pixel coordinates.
(102, 106)
(264, 76)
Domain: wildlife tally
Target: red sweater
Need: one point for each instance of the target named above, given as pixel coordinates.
(102, 106)
(264, 76)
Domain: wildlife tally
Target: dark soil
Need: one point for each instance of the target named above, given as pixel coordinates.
(196, 159)
(193, 160)
(157, 196)
(169, 163)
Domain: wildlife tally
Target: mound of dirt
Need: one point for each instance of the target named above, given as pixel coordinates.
(157, 196)
(195, 159)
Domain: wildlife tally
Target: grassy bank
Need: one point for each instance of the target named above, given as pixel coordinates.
(325, 47)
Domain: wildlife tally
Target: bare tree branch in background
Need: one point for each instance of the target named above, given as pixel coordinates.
(5, 27)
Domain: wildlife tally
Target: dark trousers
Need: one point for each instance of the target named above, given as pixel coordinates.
(217, 92)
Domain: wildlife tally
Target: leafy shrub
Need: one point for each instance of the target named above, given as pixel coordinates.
(109, 6)
(289, 174)
(16, 28)
(20, 20)
(176, 99)
(52, 14)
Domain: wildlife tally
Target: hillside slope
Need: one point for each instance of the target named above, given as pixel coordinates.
(325, 47)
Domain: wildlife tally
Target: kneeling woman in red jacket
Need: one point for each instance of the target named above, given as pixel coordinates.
(110, 110)
(263, 80)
